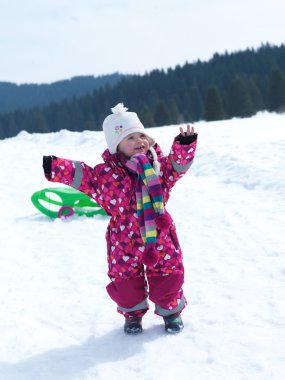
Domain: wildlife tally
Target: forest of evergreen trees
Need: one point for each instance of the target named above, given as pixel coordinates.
(28, 95)
(238, 84)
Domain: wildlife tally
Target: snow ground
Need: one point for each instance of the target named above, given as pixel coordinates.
(56, 320)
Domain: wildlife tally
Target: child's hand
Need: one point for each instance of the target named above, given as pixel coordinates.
(186, 138)
(47, 164)
(190, 130)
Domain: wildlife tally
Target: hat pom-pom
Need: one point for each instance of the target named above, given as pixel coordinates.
(150, 255)
(118, 109)
(163, 222)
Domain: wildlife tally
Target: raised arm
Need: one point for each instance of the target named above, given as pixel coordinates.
(181, 156)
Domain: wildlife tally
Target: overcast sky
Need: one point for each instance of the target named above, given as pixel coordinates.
(42, 41)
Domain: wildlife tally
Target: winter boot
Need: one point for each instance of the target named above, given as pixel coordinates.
(173, 323)
(133, 325)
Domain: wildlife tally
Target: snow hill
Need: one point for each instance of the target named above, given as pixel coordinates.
(56, 320)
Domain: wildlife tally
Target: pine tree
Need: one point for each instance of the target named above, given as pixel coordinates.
(161, 116)
(214, 109)
(3, 130)
(89, 124)
(174, 116)
(62, 117)
(239, 99)
(146, 117)
(256, 96)
(12, 127)
(40, 125)
(196, 107)
(277, 90)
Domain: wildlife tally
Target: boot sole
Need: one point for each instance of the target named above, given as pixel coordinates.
(133, 331)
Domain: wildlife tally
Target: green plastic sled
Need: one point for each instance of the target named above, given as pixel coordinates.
(64, 202)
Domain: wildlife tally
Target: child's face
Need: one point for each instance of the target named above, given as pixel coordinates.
(134, 143)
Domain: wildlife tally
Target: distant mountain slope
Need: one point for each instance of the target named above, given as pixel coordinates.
(14, 97)
(231, 85)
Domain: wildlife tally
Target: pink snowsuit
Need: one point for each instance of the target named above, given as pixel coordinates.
(112, 186)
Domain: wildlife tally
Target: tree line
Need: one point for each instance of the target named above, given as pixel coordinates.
(230, 85)
(28, 95)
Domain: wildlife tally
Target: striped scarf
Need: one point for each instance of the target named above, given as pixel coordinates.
(149, 197)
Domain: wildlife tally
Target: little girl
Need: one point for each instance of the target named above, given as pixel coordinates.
(133, 185)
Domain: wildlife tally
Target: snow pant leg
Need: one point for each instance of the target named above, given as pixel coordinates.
(167, 294)
(130, 295)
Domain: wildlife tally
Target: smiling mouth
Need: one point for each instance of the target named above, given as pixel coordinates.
(140, 148)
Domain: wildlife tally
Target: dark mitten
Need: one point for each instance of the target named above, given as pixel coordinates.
(47, 164)
(186, 139)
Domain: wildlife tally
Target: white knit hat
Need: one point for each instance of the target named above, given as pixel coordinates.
(120, 124)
